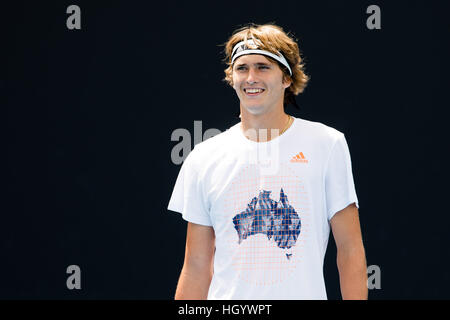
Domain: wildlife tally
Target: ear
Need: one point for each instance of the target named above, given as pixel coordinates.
(287, 82)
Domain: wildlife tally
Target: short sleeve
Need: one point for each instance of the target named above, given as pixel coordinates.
(339, 185)
(188, 197)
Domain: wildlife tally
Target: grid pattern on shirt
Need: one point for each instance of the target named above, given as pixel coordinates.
(271, 251)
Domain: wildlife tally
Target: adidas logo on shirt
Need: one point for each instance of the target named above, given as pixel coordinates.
(299, 157)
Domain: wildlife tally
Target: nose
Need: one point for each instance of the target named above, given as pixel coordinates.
(251, 78)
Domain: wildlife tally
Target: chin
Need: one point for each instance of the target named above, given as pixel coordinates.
(255, 109)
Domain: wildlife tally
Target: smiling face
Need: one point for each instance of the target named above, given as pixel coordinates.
(258, 83)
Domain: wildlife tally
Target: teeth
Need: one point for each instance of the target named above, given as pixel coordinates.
(253, 90)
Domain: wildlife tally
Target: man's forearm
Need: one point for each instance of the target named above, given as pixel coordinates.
(193, 284)
(352, 273)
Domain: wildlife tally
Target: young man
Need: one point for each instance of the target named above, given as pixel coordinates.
(260, 197)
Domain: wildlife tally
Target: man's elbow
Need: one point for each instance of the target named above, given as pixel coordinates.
(194, 281)
(352, 254)
(199, 267)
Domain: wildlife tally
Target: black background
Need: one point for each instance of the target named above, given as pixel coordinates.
(90, 114)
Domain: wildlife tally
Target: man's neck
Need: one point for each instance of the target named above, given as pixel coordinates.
(259, 127)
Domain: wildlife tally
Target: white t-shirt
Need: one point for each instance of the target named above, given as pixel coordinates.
(270, 204)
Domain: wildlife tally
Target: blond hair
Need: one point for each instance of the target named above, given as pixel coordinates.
(273, 39)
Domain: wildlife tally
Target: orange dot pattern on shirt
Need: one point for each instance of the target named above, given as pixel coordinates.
(257, 259)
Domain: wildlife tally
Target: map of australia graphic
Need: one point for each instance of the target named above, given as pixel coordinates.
(278, 220)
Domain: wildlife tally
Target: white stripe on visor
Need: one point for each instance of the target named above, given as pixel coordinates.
(241, 49)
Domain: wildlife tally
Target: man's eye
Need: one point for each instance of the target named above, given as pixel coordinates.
(260, 67)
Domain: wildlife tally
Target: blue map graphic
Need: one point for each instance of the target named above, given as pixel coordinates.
(278, 220)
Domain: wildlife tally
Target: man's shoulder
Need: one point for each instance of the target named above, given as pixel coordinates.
(320, 131)
(213, 145)
(216, 142)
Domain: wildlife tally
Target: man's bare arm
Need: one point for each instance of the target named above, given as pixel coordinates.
(197, 271)
(351, 258)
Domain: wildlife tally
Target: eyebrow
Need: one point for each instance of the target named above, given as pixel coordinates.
(257, 64)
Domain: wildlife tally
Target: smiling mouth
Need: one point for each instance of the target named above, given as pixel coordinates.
(253, 91)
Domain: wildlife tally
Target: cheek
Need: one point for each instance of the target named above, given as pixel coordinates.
(236, 82)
